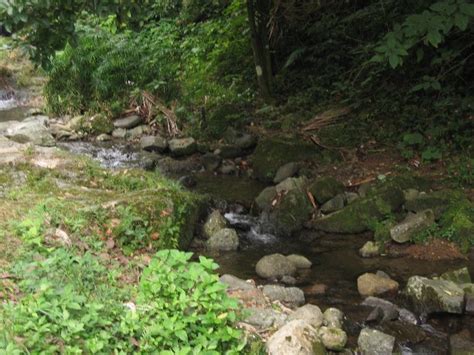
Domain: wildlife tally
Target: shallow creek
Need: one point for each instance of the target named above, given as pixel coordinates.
(336, 262)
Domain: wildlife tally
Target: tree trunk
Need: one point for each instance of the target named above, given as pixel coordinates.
(258, 11)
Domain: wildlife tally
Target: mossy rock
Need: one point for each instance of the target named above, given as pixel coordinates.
(272, 153)
(362, 214)
(437, 201)
(100, 124)
(324, 189)
(293, 211)
(457, 222)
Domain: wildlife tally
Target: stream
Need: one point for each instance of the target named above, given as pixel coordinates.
(335, 258)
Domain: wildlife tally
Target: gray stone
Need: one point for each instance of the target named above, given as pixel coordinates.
(214, 223)
(371, 284)
(414, 223)
(119, 133)
(351, 197)
(234, 283)
(128, 122)
(224, 240)
(374, 342)
(388, 310)
(154, 143)
(334, 204)
(32, 130)
(136, 132)
(460, 276)
(309, 313)
(264, 318)
(299, 261)
(333, 339)
(182, 146)
(333, 318)
(369, 250)
(265, 198)
(274, 266)
(288, 280)
(295, 338)
(430, 296)
(291, 184)
(211, 161)
(286, 171)
(289, 295)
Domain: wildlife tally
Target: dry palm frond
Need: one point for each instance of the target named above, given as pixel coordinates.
(326, 118)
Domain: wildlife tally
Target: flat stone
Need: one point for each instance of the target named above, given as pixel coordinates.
(234, 283)
(414, 223)
(289, 295)
(371, 284)
(430, 296)
(309, 313)
(182, 146)
(374, 342)
(128, 122)
(154, 143)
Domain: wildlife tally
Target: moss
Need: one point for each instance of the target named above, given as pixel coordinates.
(457, 222)
(323, 189)
(99, 124)
(272, 153)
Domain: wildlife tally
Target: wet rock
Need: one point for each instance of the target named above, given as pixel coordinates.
(32, 130)
(324, 189)
(128, 122)
(333, 339)
(299, 261)
(334, 204)
(430, 296)
(289, 295)
(265, 198)
(295, 338)
(309, 313)
(383, 309)
(414, 223)
(461, 343)
(275, 266)
(374, 342)
(214, 223)
(371, 284)
(333, 318)
(272, 153)
(211, 161)
(369, 250)
(460, 276)
(224, 240)
(154, 143)
(286, 171)
(182, 146)
(436, 201)
(119, 133)
(291, 213)
(264, 318)
(234, 283)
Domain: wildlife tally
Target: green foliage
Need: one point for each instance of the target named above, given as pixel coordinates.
(461, 171)
(414, 142)
(183, 308)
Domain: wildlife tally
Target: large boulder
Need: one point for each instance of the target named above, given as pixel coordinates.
(32, 130)
(297, 337)
(324, 189)
(430, 296)
(128, 122)
(309, 313)
(411, 225)
(374, 342)
(214, 223)
(224, 240)
(359, 216)
(275, 266)
(182, 146)
(370, 284)
(292, 296)
(272, 153)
